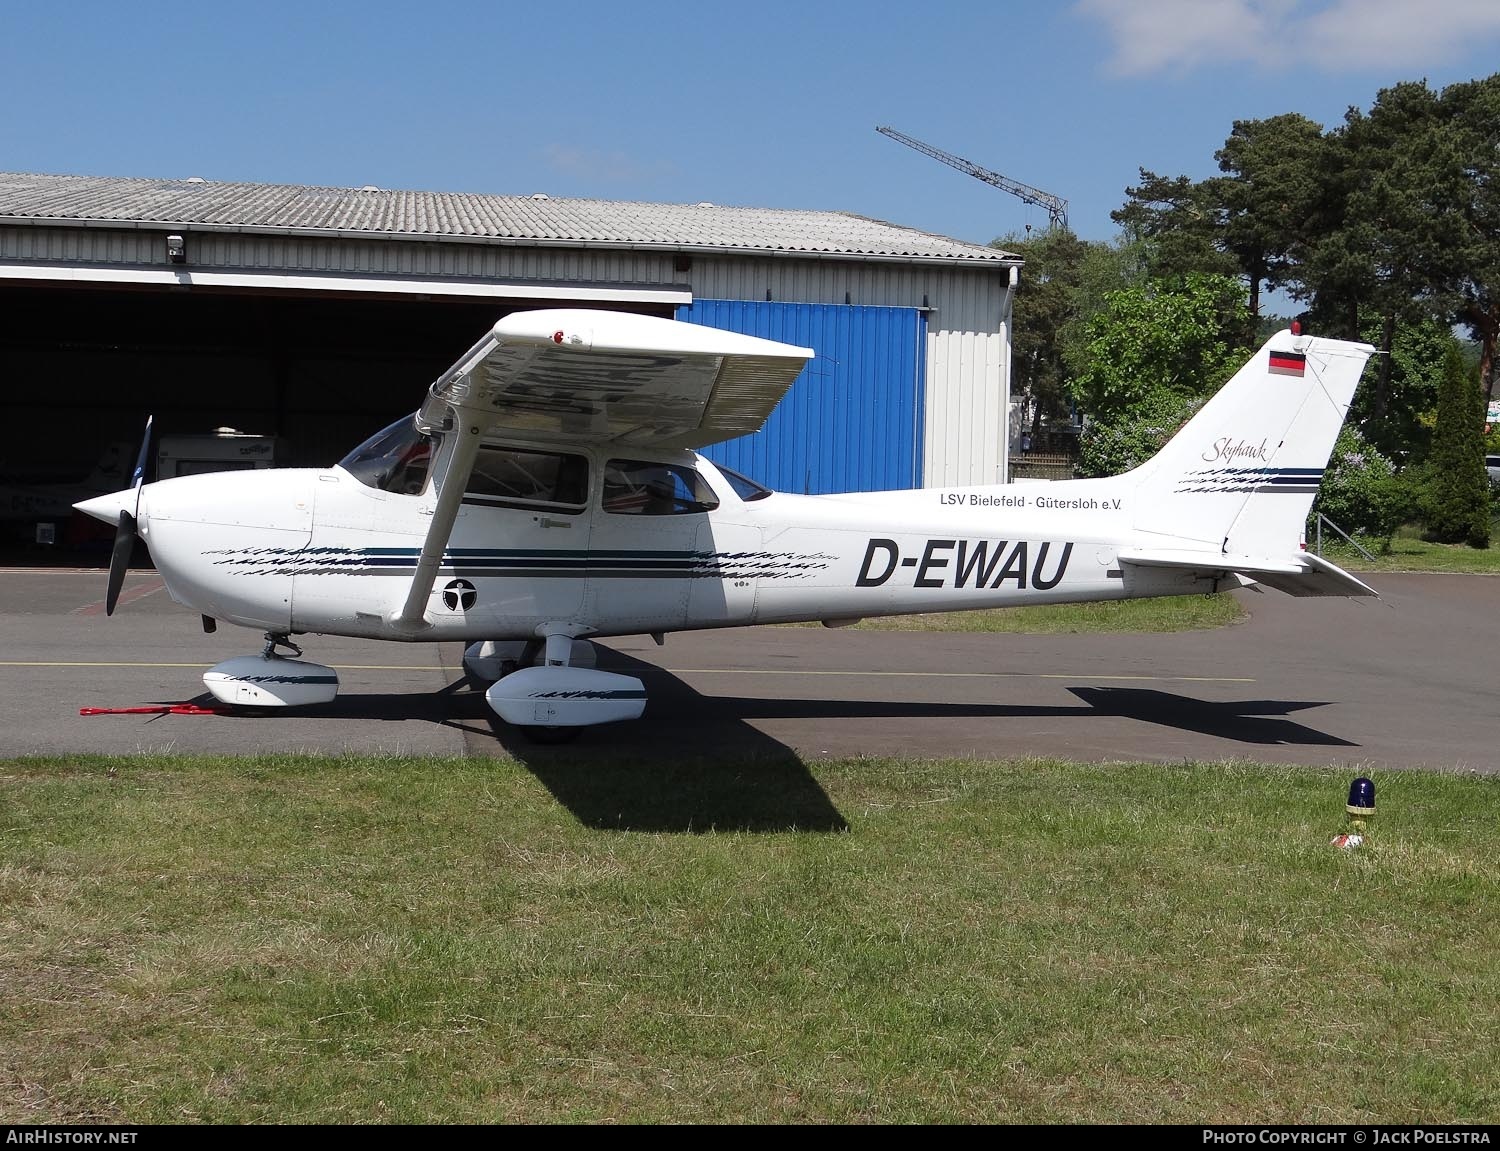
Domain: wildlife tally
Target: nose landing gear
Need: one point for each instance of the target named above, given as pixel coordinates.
(276, 639)
(272, 679)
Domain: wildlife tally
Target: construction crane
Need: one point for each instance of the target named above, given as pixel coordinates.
(1057, 208)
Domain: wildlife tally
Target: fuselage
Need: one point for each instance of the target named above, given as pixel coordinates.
(579, 537)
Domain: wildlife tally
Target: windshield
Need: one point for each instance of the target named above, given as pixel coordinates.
(394, 459)
(744, 487)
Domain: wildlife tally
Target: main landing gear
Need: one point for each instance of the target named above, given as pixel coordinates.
(550, 689)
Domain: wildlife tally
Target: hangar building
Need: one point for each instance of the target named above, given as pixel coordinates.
(318, 315)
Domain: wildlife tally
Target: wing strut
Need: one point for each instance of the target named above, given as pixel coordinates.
(466, 437)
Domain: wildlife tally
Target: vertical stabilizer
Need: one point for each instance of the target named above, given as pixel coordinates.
(1241, 475)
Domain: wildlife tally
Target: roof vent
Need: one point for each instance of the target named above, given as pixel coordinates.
(540, 196)
(705, 204)
(371, 188)
(196, 180)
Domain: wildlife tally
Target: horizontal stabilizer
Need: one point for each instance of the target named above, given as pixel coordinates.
(1303, 575)
(1324, 578)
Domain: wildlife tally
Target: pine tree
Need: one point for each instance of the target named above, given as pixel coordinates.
(1458, 492)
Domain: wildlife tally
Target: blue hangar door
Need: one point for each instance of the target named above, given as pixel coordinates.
(852, 421)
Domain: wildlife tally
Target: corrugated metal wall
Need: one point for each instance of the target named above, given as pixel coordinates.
(967, 356)
(967, 372)
(210, 251)
(967, 426)
(852, 421)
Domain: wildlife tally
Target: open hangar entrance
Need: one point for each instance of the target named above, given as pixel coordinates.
(308, 317)
(84, 364)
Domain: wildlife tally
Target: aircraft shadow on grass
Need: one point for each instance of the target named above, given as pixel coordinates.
(697, 762)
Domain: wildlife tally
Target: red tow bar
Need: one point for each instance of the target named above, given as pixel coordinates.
(157, 709)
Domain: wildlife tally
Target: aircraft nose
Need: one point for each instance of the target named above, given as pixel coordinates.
(107, 508)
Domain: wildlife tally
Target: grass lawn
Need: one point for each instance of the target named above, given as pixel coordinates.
(1409, 552)
(1168, 613)
(337, 940)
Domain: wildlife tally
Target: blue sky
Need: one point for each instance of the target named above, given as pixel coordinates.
(770, 104)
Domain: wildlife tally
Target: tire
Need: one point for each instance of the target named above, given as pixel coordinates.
(551, 736)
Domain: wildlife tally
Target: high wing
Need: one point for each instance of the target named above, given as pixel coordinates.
(588, 377)
(576, 376)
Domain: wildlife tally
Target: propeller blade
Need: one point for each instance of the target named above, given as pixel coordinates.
(138, 477)
(119, 560)
(125, 534)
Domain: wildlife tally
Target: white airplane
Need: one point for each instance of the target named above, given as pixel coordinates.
(55, 499)
(547, 491)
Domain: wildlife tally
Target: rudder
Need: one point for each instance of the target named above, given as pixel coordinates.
(1241, 475)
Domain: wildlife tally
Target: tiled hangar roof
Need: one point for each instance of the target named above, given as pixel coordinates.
(538, 219)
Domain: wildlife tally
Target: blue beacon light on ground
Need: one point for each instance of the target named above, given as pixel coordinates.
(1361, 806)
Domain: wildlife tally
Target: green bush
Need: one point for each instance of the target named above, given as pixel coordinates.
(1456, 494)
(1129, 440)
(1361, 491)
(1175, 337)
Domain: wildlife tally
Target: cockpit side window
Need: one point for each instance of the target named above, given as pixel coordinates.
(645, 488)
(394, 459)
(522, 477)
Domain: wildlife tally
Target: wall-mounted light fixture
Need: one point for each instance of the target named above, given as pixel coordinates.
(176, 249)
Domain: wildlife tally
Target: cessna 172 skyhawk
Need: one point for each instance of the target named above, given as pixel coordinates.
(548, 491)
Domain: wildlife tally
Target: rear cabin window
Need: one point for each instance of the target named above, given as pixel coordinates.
(643, 488)
(744, 487)
(520, 477)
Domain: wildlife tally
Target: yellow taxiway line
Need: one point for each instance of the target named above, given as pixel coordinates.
(718, 671)
(958, 674)
(205, 666)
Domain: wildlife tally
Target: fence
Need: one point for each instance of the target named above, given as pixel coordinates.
(1318, 546)
(1041, 466)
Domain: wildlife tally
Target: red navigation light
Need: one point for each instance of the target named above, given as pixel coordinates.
(1296, 327)
(557, 337)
